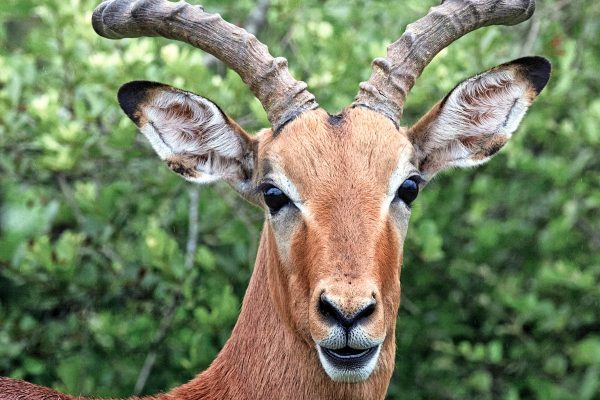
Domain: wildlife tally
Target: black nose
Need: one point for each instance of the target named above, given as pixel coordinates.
(333, 312)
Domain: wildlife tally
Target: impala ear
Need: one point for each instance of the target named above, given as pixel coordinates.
(479, 116)
(190, 133)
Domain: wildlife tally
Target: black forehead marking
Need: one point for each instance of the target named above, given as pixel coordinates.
(335, 120)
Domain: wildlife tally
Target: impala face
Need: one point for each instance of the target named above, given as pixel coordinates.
(337, 191)
(338, 202)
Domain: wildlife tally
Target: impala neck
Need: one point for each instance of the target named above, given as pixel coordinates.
(264, 358)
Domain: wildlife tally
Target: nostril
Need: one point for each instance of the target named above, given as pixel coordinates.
(365, 312)
(327, 309)
(331, 312)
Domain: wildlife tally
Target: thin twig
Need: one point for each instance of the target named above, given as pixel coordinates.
(532, 36)
(167, 318)
(70, 199)
(192, 242)
(255, 22)
(258, 17)
(160, 336)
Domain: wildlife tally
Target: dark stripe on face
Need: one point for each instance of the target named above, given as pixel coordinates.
(335, 120)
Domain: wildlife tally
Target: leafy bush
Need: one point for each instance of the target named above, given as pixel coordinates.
(501, 292)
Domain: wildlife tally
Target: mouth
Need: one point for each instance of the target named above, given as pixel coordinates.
(348, 356)
(348, 364)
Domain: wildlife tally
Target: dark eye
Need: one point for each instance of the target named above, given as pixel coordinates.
(274, 198)
(409, 190)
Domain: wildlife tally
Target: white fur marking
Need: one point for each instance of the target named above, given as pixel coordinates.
(186, 124)
(206, 129)
(282, 182)
(487, 112)
(490, 105)
(403, 170)
(349, 375)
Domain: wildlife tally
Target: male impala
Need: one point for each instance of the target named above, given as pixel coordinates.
(318, 319)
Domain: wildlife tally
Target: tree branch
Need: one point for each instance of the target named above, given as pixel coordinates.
(532, 36)
(160, 336)
(70, 199)
(167, 318)
(255, 22)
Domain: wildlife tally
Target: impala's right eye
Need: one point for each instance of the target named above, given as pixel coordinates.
(409, 189)
(275, 199)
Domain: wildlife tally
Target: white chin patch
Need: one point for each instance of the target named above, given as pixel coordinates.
(348, 373)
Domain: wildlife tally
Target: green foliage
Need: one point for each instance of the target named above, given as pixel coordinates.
(501, 283)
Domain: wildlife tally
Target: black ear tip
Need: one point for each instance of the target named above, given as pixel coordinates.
(131, 94)
(537, 69)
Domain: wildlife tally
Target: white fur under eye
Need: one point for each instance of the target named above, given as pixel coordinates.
(403, 171)
(280, 180)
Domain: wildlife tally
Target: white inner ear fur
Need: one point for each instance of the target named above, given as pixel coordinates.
(187, 125)
(490, 105)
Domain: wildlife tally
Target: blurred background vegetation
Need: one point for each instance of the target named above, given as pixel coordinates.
(105, 289)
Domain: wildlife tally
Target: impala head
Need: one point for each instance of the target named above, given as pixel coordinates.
(336, 190)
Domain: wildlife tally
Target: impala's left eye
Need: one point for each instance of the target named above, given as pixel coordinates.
(275, 199)
(408, 191)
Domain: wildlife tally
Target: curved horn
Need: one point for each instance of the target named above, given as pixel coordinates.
(282, 97)
(393, 77)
